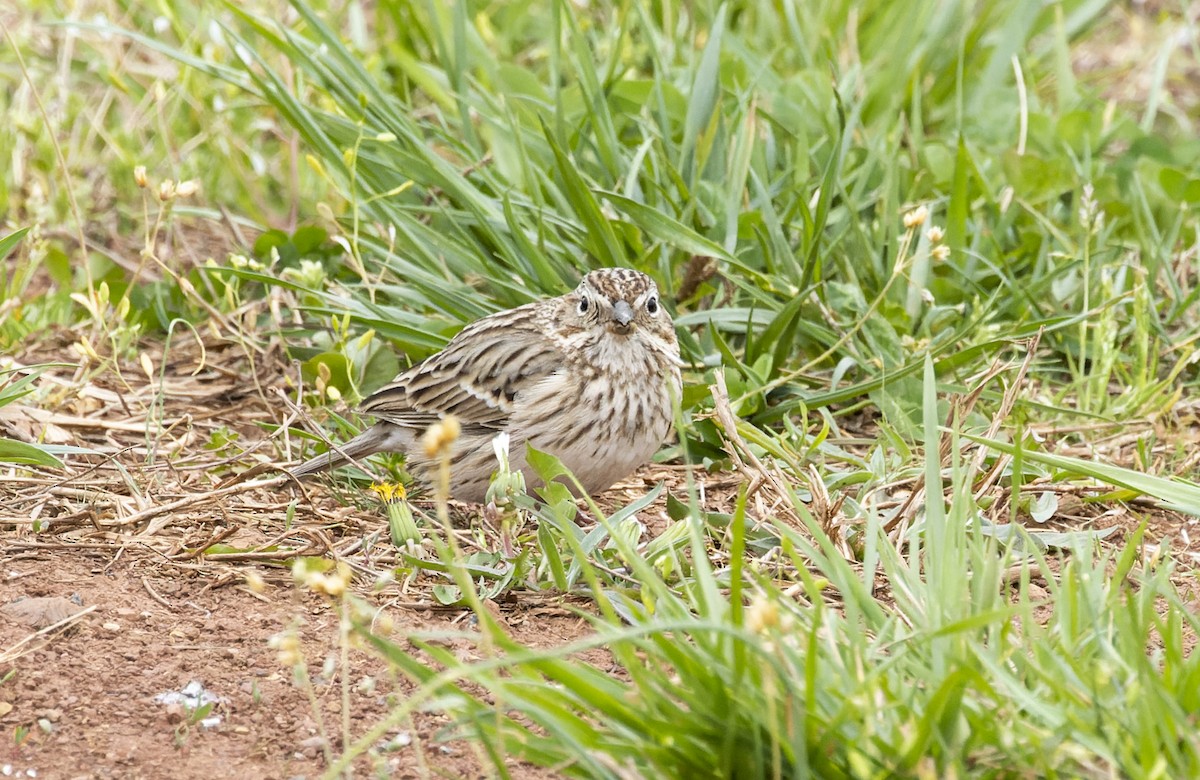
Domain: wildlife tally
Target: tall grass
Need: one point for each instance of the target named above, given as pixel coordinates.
(487, 155)
(968, 667)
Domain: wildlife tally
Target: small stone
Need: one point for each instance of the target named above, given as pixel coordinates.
(111, 626)
(174, 713)
(401, 740)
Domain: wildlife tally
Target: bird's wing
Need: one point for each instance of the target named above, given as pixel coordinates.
(478, 377)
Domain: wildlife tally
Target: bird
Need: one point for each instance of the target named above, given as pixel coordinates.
(591, 377)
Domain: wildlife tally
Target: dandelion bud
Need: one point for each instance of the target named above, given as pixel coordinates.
(441, 436)
(762, 615)
(287, 645)
(255, 581)
(916, 217)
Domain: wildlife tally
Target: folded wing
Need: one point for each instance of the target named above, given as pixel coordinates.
(479, 377)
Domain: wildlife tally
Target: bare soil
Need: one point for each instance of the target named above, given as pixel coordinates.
(121, 538)
(90, 695)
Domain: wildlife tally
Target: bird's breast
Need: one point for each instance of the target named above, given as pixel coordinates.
(600, 425)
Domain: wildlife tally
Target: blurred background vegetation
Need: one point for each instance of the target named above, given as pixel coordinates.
(419, 165)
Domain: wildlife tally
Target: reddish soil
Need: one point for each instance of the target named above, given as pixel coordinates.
(88, 695)
(82, 700)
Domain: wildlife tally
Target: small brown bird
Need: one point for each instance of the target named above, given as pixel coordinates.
(589, 377)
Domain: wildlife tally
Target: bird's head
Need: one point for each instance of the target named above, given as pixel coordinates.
(622, 302)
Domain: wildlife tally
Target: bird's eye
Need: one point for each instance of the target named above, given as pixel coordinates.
(652, 305)
(583, 304)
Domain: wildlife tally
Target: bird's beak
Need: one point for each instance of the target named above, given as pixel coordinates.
(622, 314)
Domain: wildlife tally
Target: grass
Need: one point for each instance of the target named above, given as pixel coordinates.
(953, 676)
(942, 219)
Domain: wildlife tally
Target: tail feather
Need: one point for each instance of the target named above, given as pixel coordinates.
(382, 437)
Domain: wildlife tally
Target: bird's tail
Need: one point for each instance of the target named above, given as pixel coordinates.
(382, 437)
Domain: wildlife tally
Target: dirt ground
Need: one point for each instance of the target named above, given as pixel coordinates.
(91, 696)
(120, 537)
(86, 701)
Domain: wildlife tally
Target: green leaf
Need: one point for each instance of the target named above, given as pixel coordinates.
(11, 240)
(12, 451)
(702, 101)
(309, 238)
(600, 239)
(1179, 186)
(1174, 494)
(547, 466)
(668, 230)
(958, 207)
(1037, 178)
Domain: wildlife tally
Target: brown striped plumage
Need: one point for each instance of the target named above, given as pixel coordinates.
(588, 376)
